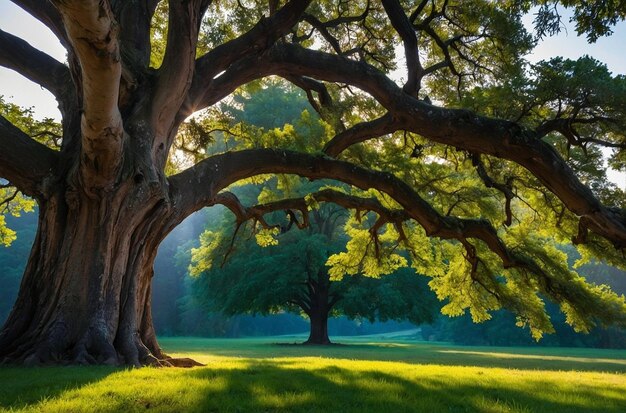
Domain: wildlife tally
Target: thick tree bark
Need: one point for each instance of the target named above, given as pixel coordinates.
(85, 295)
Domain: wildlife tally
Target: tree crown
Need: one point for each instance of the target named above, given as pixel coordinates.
(473, 158)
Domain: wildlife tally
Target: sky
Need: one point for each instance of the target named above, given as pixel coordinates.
(19, 90)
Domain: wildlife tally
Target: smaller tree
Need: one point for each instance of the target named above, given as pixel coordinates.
(260, 278)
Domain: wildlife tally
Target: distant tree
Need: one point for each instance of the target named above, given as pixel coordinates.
(293, 277)
(268, 105)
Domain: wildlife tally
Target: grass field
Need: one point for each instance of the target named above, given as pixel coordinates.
(367, 374)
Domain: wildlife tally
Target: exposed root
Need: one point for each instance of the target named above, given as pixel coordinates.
(183, 362)
(82, 356)
(152, 361)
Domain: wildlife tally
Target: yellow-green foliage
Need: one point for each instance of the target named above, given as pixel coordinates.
(267, 237)
(7, 235)
(363, 255)
(15, 207)
(203, 256)
(427, 254)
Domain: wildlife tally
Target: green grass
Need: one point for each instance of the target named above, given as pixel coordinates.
(374, 374)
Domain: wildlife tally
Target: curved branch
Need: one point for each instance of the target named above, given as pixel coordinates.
(176, 72)
(359, 133)
(197, 186)
(24, 162)
(290, 60)
(35, 65)
(258, 39)
(45, 12)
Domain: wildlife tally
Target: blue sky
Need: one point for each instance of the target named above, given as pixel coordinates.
(15, 88)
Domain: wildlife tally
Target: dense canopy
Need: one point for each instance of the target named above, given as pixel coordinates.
(474, 162)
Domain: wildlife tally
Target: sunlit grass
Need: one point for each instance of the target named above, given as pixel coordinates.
(255, 375)
(394, 349)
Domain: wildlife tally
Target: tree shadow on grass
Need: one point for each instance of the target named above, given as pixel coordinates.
(285, 386)
(281, 387)
(278, 387)
(24, 386)
(421, 353)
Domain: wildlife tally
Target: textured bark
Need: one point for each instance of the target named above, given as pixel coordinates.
(85, 295)
(93, 34)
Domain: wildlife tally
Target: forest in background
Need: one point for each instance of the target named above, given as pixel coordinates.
(179, 310)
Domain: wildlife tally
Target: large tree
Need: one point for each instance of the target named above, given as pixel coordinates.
(498, 158)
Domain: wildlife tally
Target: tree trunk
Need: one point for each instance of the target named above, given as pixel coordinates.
(85, 295)
(319, 328)
(319, 295)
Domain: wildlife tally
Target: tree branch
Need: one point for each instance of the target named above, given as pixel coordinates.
(403, 26)
(324, 103)
(18, 55)
(256, 212)
(332, 41)
(176, 72)
(134, 18)
(292, 60)
(359, 133)
(255, 41)
(197, 186)
(24, 162)
(222, 170)
(565, 126)
(92, 31)
(506, 188)
(461, 129)
(45, 12)
(193, 189)
(242, 213)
